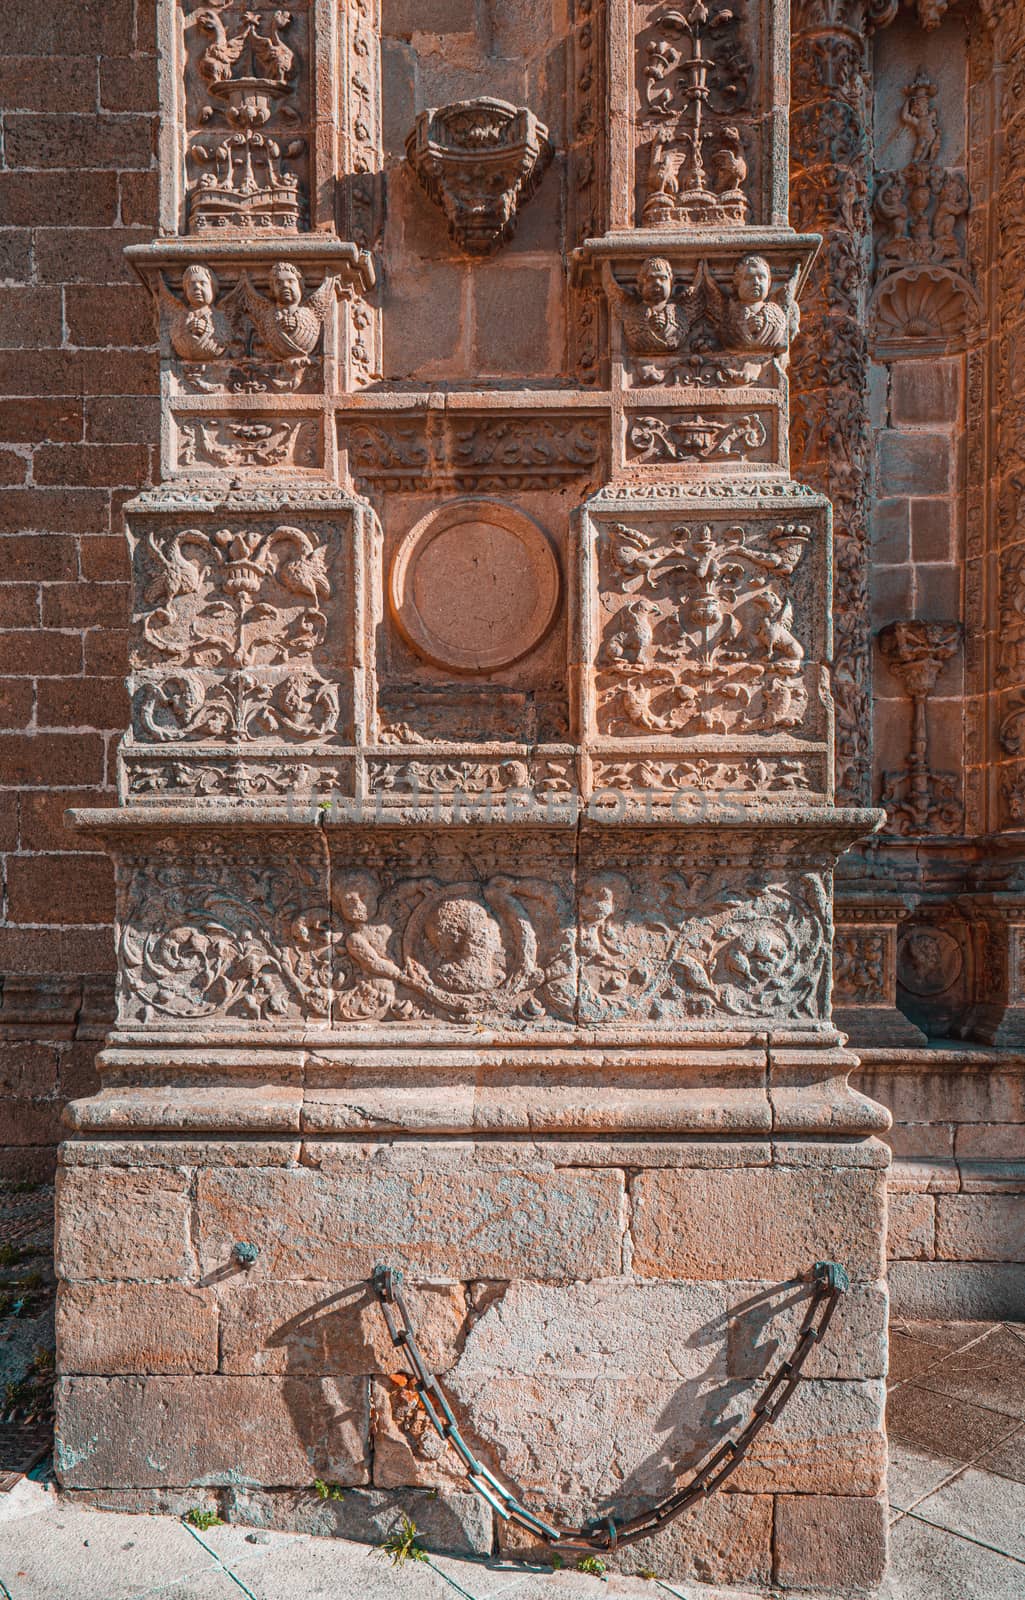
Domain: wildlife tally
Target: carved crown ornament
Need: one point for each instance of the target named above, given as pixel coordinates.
(244, 79)
(479, 161)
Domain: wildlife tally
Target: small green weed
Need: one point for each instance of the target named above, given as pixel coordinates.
(328, 1491)
(592, 1564)
(402, 1545)
(202, 1520)
(557, 1563)
(647, 1572)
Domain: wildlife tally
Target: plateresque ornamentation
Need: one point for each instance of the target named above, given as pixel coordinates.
(479, 161)
(699, 635)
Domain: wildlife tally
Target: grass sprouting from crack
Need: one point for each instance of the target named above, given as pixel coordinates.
(402, 1545)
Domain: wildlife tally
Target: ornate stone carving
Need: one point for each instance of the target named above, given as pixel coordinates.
(477, 453)
(252, 441)
(220, 776)
(233, 596)
(919, 800)
(479, 161)
(923, 297)
(483, 949)
(685, 946)
(475, 586)
(860, 972)
(227, 334)
(728, 334)
(831, 437)
(929, 960)
(293, 706)
(209, 934)
(693, 163)
(246, 101)
(699, 630)
(671, 437)
(756, 775)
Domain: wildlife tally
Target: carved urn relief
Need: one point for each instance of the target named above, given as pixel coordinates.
(479, 161)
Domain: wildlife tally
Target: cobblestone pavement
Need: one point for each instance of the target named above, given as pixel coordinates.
(957, 1490)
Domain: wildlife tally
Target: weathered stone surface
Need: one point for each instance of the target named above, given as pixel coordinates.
(979, 1227)
(756, 1224)
(323, 1329)
(459, 1523)
(829, 1440)
(483, 1223)
(123, 1223)
(115, 1328)
(157, 1432)
(830, 1542)
(911, 1234)
(724, 1540)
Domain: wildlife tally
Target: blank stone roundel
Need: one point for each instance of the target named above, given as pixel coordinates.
(475, 586)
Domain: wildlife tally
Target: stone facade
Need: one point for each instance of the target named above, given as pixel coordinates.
(509, 666)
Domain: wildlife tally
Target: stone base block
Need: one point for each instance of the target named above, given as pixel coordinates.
(602, 1316)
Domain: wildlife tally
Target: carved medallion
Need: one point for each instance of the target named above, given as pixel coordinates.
(475, 586)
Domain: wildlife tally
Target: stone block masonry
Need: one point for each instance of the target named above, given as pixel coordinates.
(549, 1329)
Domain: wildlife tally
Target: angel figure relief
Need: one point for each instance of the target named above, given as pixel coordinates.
(240, 339)
(655, 320)
(288, 322)
(746, 317)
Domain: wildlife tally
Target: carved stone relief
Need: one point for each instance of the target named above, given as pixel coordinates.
(219, 932)
(252, 329)
(919, 800)
(720, 330)
(247, 107)
(692, 116)
(479, 161)
(699, 632)
(923, 298)
(467, 452)
(831, 438)
(241, 631)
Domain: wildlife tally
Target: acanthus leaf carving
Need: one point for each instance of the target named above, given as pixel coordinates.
(208, 935)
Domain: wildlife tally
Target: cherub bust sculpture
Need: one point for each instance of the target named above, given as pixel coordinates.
(652, 323)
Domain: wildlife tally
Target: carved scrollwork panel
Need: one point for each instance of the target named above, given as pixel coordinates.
(707, 627)
(209, 932)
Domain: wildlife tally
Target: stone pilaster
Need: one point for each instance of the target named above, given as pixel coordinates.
(478, 821)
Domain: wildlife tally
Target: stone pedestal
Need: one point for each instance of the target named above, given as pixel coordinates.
(475, 852)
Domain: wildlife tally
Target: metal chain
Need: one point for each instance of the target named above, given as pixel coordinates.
(604, 1534)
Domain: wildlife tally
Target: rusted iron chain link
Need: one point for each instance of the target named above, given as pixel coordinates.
(604, 1534)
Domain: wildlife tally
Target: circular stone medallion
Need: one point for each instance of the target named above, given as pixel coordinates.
(474, 586)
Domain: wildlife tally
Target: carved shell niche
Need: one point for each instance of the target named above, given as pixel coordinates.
(922, 311)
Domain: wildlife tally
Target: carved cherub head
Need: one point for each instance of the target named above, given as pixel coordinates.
(286, 284)
(355, 898)
(752, 280)
(199, 285)
(655, 282)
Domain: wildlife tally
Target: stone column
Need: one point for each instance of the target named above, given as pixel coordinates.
(478, 821)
